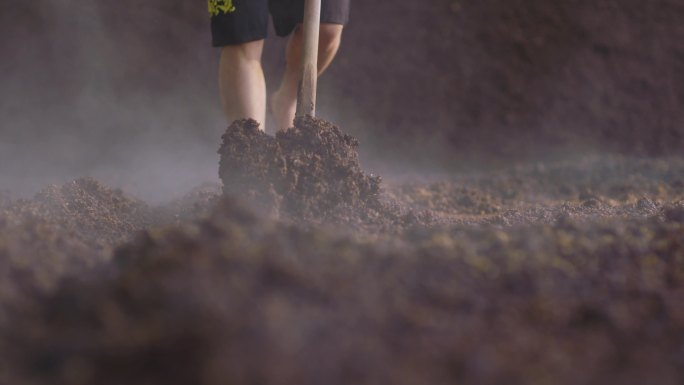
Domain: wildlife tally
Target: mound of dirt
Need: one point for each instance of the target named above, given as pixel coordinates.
(322, 177)
(97, 215)
(64, 231)
(248, 166)
(237, 299)
(69, 231)
(309, 173)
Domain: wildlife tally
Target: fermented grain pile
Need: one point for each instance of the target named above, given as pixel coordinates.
(309, 173)
(85, 209)
(524, 276)
(589, 189)
(63, 231)
(236, 299)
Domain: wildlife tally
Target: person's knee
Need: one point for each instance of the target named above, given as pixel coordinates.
(250, 51)
(330, 37)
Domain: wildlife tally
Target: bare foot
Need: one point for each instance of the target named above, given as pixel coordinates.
(283, 110)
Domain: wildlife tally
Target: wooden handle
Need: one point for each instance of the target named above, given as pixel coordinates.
(306, 95)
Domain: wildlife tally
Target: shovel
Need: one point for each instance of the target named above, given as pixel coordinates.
(306, 94)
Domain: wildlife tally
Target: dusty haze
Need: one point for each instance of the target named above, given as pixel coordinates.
(125, 91)
(552, 259)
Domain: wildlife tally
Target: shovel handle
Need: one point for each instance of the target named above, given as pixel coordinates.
(306, 94)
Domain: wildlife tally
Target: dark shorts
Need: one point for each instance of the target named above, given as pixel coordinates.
(242, 21)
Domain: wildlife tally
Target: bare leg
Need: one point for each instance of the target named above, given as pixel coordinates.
(284, 100)
(241, 82)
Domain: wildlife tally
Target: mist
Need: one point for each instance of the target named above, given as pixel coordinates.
(87, 93)
(126, 92)
(122, 93)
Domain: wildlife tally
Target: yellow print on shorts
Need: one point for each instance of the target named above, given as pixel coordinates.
(217, 7)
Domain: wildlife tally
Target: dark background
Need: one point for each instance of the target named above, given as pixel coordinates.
(125, 90)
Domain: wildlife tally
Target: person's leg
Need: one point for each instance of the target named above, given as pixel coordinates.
(241, 82)
(284, 100)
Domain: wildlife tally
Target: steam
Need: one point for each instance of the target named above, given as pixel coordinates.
(126, 93)
(81, 98)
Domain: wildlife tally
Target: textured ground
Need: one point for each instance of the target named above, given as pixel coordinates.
(556, 273)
